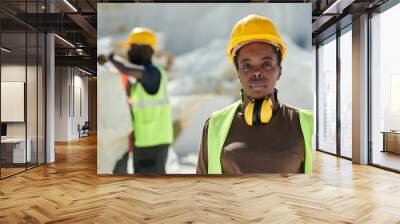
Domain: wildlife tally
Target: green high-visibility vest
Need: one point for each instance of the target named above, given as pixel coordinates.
(152, 115)
(220, 122)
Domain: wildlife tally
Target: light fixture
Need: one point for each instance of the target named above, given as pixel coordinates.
(337, 7)
(64, 40)
(70, 5)
(5, 49)
(80, 51)
(86, 72)
(332, 8)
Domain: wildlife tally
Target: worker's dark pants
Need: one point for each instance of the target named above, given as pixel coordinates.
(147, 160)
(121, 165)
(150, 160)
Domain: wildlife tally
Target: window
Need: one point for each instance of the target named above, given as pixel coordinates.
(346, 94)
(385, 89)
(327, 97)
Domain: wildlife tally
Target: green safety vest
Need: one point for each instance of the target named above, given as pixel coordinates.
(152, 115)
(220, 122)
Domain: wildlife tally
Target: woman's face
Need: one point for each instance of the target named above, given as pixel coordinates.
(140, 54)
(258, 69)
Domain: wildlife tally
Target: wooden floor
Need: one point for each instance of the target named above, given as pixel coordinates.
(70, 191)
(10, 171)
(387, 159)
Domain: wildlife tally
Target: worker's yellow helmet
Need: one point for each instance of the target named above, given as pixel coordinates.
(254, 28)
(141, 35)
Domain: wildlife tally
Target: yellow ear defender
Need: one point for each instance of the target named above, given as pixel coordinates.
(258, 112)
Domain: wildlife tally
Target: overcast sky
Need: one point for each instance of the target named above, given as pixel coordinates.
(189, 26)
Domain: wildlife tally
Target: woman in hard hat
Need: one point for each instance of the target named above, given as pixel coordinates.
(148, 98)
(258, 134)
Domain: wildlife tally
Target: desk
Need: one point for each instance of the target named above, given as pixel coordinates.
(16, 147)
(391, 141)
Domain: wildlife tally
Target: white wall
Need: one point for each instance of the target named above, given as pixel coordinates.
(62, 81)
(71, 94)
(15, 73)
(80, 88)
(12, 101)
(33, 126)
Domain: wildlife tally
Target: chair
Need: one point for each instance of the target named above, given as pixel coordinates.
(84, 130)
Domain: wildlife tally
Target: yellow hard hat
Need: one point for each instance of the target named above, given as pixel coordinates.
(254, 28)
(141, 35)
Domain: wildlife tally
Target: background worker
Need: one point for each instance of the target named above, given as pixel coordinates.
(148, 99)
(258, 134)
